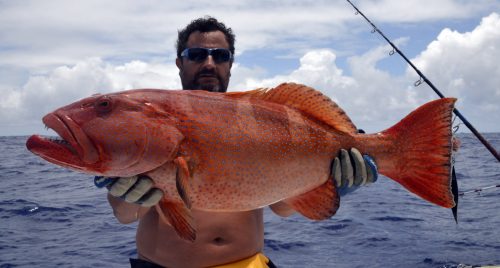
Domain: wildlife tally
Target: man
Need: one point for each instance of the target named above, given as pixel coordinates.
(205, 54)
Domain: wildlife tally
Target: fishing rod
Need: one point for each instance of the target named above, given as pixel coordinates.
(423, 78)
(479, 190)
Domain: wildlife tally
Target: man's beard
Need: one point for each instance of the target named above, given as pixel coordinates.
(218, 87)
(208, 87)
(196, 84)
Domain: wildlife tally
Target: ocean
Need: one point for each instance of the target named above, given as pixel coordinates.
(53, 217)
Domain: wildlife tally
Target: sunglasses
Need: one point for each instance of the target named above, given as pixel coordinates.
(199, 54)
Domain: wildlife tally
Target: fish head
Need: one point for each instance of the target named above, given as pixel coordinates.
(119, 134)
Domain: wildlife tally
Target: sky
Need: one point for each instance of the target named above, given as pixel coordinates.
(55, 52)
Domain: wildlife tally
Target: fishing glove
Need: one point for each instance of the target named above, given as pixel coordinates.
(135, 189)
(351, 168)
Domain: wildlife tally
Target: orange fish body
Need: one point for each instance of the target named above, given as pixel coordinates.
(245, 150)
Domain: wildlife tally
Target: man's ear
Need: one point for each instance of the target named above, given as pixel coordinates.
(178, 62)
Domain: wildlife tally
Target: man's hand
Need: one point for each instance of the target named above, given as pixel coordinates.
(135, 189)
(351, 168)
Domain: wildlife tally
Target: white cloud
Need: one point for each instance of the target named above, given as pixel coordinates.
(465, 65)
(66, 56)
(423, 10)
(317, 69)
(372, 98)
(51, 33)
(44, 93)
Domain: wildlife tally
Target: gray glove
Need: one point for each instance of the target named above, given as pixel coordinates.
(351, 168)
(135, 189)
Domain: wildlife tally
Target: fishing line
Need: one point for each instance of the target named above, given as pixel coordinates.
(479, 190)
(423, 78)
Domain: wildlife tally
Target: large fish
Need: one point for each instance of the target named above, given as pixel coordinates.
(243, 150)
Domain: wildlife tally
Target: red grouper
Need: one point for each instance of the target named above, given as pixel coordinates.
(240, 151)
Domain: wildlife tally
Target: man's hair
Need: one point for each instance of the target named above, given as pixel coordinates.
(205, 24)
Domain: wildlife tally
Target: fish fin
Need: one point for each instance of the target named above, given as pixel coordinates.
(454, 189)
(306, 99)
(318, 204)
(423, 147)
(182, 180)
(178, 216)
(250, 94)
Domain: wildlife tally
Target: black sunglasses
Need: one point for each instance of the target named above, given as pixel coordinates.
(200, 54)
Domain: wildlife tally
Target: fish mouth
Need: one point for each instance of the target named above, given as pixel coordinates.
(72, 148)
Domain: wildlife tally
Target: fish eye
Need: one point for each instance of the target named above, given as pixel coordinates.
(103, 105)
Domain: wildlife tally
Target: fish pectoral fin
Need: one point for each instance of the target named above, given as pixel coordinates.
(182, 180)
(318, 204)
(178, 216)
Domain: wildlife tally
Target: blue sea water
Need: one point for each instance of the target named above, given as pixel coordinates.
(52, 217)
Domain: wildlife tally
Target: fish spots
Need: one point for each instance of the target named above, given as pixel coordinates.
(245, 119)
(247, 153)
(295, 126)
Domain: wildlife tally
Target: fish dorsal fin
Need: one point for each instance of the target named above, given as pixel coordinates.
(250, 94)
(306, 99)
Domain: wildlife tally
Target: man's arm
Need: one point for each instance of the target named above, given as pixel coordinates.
(126, 212)
(130, 197)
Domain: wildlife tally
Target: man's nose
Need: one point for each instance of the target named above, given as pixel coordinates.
(209, 62)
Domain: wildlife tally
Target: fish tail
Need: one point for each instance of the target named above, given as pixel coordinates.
(422, 152)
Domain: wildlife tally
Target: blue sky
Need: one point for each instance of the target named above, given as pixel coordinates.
(56, 52)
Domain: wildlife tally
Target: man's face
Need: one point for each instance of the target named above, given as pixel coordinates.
(205, 75)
